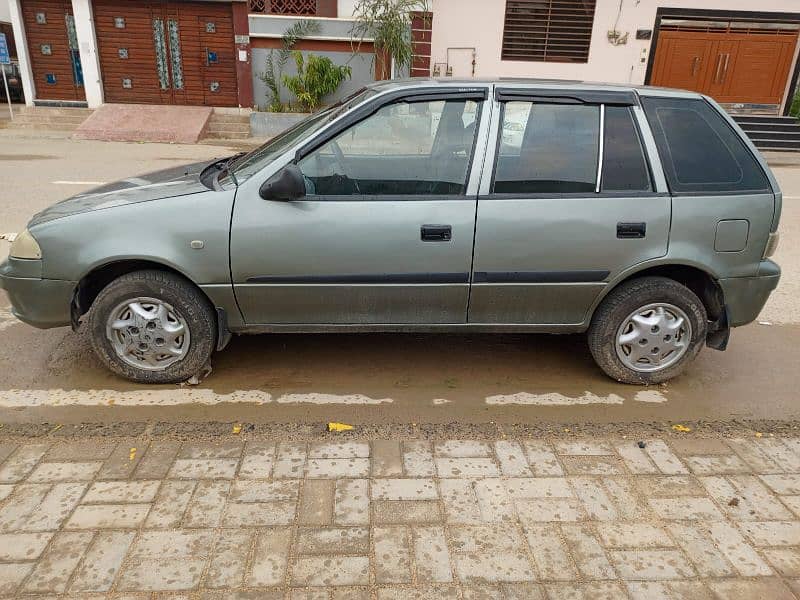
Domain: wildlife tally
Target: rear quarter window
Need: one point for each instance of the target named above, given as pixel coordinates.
(699, 150)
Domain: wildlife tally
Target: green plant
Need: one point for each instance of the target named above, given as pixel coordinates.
(276, 61)
(388, 24)
(795, 109)
(316, 77)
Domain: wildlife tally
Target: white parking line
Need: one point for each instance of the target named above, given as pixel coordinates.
(553, 399)
(314, 398)
(61, 182)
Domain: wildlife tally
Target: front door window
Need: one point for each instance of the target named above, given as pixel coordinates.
(404, 149)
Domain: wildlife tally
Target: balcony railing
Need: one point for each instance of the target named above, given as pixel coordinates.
(284, 7)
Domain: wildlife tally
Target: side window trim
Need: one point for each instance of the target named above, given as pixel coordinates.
(362, 113)
(601, 147)
(651, 152)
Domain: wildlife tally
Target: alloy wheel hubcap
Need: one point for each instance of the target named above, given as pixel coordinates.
(148, 333)
(653, 337)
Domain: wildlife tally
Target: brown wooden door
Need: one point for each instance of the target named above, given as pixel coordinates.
(682, 61)
(158, 52)
(53, 49)
(729, 66)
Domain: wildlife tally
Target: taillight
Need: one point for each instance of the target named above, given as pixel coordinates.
(772, 244)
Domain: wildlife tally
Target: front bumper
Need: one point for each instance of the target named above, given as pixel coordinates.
(746, 296)
(43, 303)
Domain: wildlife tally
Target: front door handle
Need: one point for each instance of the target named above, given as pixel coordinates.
(436, 233)
(629, 231)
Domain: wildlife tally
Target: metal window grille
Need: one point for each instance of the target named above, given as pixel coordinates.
(284, 7)
(548, 30)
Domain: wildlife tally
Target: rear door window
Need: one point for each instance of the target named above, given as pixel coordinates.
(624, 164)
(548, 149)
(700, 151)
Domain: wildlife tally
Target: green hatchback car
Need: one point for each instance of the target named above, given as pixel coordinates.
(643, 217)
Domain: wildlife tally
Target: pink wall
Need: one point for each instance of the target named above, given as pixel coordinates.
(479, 24)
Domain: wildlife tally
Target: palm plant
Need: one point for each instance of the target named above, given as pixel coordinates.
(388, 24)
(276, 60)
(316, 77)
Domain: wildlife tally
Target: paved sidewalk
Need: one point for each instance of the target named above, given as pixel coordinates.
(679, 518)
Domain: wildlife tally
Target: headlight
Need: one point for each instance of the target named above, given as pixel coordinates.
(25, 246)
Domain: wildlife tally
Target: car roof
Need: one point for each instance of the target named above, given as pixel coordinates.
(566, 84)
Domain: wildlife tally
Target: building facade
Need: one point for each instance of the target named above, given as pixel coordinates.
(212, 52)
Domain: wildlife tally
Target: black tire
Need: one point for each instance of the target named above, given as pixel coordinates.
(623, 301)
(181, 294)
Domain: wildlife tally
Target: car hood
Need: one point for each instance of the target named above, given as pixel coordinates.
(167, 183)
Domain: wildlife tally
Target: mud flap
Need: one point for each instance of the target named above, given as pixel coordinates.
(719, 332)
(224, 334)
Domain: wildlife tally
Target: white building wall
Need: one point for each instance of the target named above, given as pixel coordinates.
(5, 11)
(479, 24)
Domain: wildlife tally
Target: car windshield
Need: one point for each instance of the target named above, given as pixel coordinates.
(251, 163)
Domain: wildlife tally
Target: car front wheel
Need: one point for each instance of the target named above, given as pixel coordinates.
(647, 330)
(152, 327)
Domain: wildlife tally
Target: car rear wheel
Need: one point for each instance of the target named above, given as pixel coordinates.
(647, 330)
(152, 327)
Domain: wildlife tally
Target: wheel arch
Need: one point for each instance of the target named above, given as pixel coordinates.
(99, 276)
(699, 280)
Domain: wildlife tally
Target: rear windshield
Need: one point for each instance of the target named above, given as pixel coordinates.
(700, 151)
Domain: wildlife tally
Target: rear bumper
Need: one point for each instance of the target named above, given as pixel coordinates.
(43, 303)
(746, 296)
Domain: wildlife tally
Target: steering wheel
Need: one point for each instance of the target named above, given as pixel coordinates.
(338, 155)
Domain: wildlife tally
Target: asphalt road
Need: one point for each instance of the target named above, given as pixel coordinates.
(373, 378)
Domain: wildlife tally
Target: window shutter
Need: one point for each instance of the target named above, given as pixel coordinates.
(548, 30)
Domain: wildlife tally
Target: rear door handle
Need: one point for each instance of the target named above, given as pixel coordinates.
(628, 231)
(436, 233)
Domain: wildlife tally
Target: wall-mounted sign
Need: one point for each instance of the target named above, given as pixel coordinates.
(241, 39)
(123, 53)
(644, 34)
(211, 27)
(211, 57)
(119, 22)
(214, 87)
(47, 49)
(127, 83)
(50, 78)
(41, 18)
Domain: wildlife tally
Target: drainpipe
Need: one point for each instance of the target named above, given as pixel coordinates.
(25, 71)
(87, 46)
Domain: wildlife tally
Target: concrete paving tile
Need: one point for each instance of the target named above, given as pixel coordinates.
(549, 509)
(586, 551)
(21, 504)
(56, 472)
(102, 562)
(123, 460)
(5, 490)
(339, 450)
(80, 451)
(592, 465)
(172, 544)
(387, 459)
(404, 489)
(161, 575)
(392, 554)
(432, 557)
(636, 459)
(666, 461)
(493, 500)
(17, 466)
(742, 556)
(511, 458)
(351, 502)
(12, 575)
(207, 504)
(632, 535)
(111, 492)
(56, 506)
(786, 561)
(460, 501)
(259, 514)
(688, 509)
(485, 538)
(466, 467)
(290, 461)
(669, 486)
(229, 559)
(651, 564)
(231, 449)
(264, 491)
(584, 448)
(333, 468)
(784, 483)
(330, 570)
(716, 465)
(332, 540)
(397, 592)
(597, 590)
(542, 458)
(524, 488)
(739, 589)
(157, 460)
(418, 459)
(316, 503)
(595, 500)
(522, 591)
(203, 468)
(550, 553)
(170, 504)
(53, 571)
(108, 516)
(493, 568)
(701, 550)
(772, 533)
(258, 460)
(22, 546)
(270, 558)
(754, 455)
(388, 512)
(462, 449)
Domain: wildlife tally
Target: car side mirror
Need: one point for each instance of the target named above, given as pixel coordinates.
(285, 185)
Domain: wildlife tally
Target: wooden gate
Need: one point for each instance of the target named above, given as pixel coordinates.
(53, 50)
(730, 65)
(167, 52)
